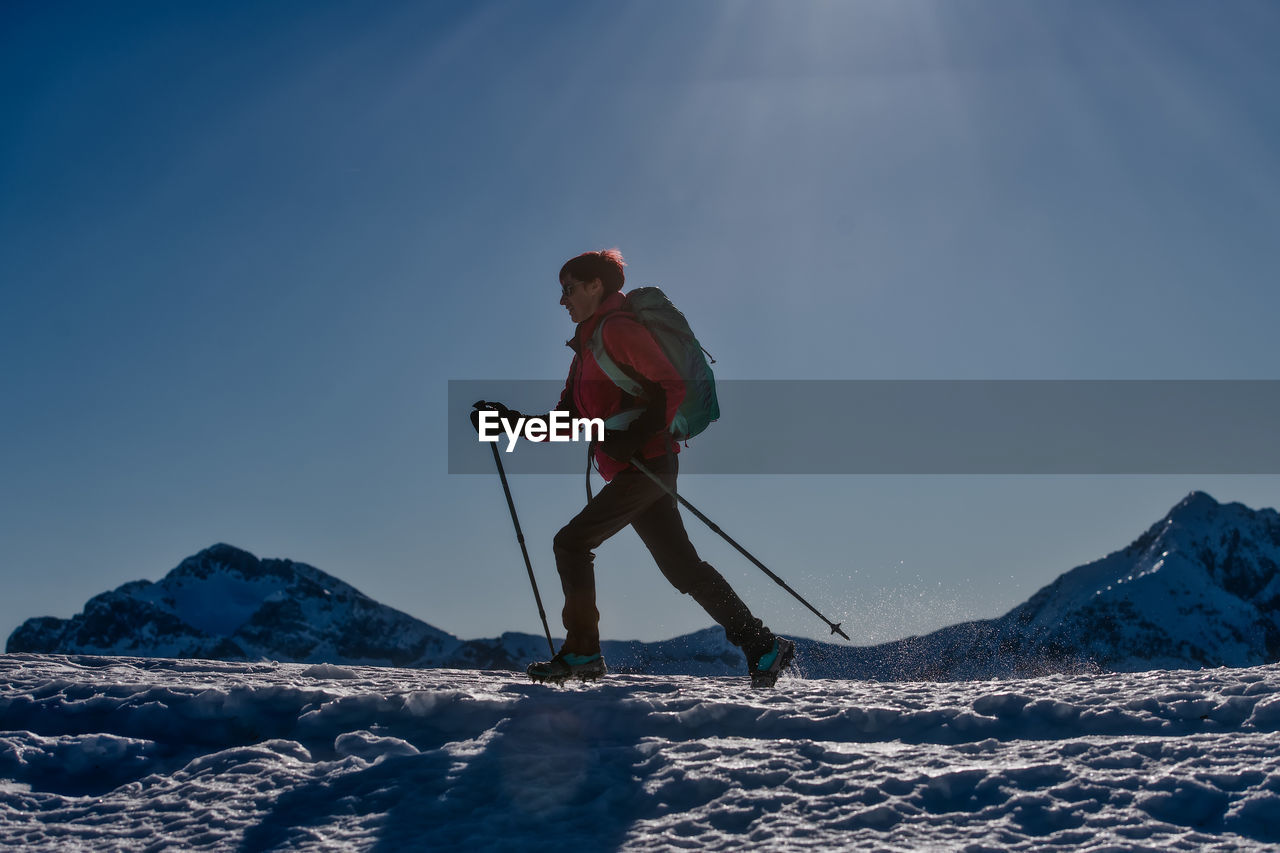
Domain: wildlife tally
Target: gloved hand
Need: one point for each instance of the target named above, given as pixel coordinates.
(505, 416)
(622, 444)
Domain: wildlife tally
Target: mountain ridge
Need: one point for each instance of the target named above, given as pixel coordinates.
(1200, 587)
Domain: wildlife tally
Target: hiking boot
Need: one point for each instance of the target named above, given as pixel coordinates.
(566, 665)
(767, 668)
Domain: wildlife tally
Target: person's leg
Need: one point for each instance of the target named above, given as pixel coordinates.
(663, 533)
(617, 504)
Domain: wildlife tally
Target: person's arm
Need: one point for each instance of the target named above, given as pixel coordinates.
(508, 419)
(633, 349)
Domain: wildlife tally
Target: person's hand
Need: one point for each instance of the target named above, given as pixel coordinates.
(622, 444)
(507, 417)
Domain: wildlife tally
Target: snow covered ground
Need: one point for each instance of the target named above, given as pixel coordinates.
(152, 754)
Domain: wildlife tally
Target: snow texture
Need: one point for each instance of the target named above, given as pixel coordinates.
(113, 753)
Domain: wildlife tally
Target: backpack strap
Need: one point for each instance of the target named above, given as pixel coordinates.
(630, 386)
(610, 367)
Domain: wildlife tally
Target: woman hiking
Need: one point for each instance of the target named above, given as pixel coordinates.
(591, 289)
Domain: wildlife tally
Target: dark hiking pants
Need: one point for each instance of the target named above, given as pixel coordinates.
(632, 498)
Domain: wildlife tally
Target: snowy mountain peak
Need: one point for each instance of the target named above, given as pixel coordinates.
(1200, 587)
(225, 603)
(1196, 504)
(1199, 511)
(224, 558)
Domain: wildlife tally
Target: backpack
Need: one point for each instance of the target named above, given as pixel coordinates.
(671, 330)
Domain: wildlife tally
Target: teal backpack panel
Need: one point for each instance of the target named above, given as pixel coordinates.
(676, 340)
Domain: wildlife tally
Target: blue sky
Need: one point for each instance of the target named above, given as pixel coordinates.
(244, 247)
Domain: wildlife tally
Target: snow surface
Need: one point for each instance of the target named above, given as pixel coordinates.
(110, 753)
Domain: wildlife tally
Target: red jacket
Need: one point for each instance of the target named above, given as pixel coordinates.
(590, 393)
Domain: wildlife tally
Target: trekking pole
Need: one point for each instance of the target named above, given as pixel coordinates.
(497, 460)
(834, 626)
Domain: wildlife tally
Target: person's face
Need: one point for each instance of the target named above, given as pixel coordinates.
(581, 298)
